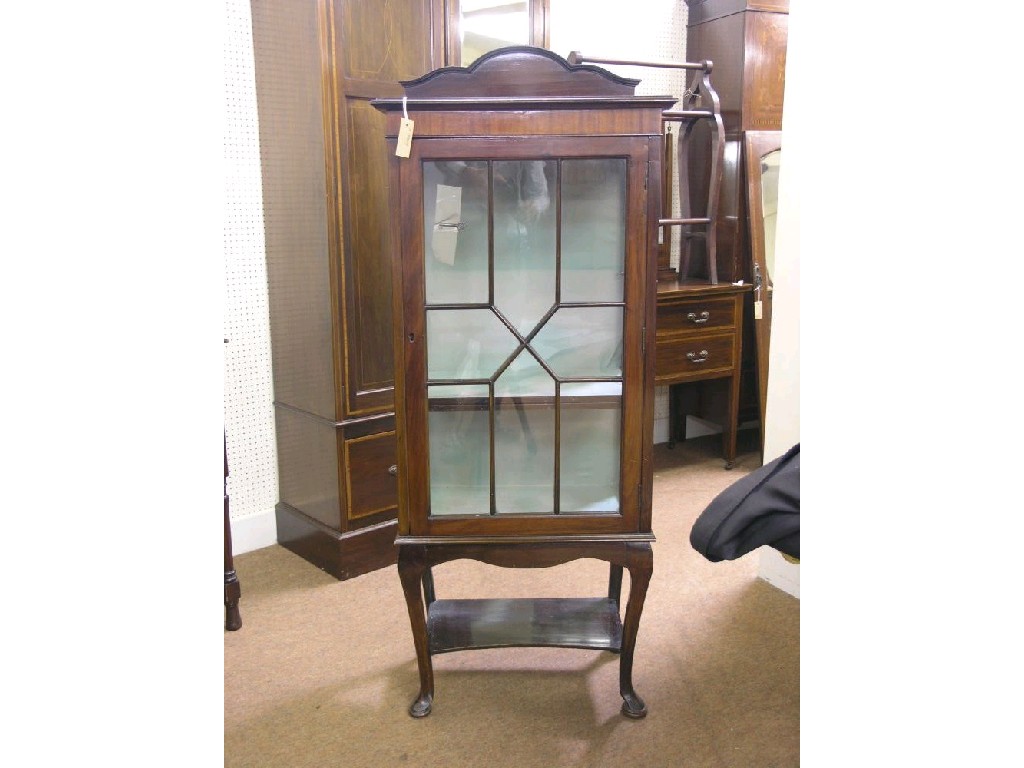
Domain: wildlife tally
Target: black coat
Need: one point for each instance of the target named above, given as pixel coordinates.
(762, 507)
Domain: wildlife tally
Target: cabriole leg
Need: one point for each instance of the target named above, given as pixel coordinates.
(639, 577)
(411, 570)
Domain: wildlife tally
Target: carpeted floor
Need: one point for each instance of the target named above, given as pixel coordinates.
(322, 671)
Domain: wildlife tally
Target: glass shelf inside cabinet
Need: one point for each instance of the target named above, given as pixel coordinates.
(524, 303)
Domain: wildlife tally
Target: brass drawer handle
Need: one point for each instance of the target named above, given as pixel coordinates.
(692, 317)
(393, 469)
(693, 357)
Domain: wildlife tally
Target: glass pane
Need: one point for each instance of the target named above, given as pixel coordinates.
(466, 343)
(470, 343)
(770, 204)
(524, 241)
(582, 341)
(591, 427)
(524, 442)
(593, 229)
(455, 232)
(486, 25)
(459, 440)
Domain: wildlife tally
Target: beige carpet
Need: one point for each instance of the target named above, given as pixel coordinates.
(322, 671)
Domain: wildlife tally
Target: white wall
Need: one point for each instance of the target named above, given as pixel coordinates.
(782, 418)
(248, 384)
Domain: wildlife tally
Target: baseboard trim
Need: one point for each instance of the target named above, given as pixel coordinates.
(253, 532)
(343, 555)
(779, 572)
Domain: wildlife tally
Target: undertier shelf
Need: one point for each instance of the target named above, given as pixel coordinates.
(579, 622)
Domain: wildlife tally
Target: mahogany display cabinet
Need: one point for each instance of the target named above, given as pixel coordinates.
(523, 240)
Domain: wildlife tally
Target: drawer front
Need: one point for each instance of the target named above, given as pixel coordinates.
(372, 488)
(696, 315)
(693, 358)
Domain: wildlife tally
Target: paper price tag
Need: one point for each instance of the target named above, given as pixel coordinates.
(404, 138)
(758, 310)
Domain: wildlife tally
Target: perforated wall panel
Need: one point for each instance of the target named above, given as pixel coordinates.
(248, 387)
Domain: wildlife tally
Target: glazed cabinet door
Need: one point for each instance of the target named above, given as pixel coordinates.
(523, 269)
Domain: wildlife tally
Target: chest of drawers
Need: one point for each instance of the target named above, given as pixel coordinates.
(699, 338)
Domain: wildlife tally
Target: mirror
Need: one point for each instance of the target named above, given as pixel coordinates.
(476, 27)
(770, 206)
(487, 25)
(763, 158)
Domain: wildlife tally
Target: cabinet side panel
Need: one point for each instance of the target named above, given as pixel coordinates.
(307, 456)
(649, 302)
(721, 41)
(290, 105)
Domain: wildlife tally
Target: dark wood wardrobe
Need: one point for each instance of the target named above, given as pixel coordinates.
(324, 164)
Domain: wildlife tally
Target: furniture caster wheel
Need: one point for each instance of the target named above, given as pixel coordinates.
(633, 706)
(421, 707)
(728, 465)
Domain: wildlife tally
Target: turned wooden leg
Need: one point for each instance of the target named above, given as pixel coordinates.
(232, 593)
(639, 578)
(733, 413)
(673, 415)
(232, 589)
(729, 436)
(413, 573)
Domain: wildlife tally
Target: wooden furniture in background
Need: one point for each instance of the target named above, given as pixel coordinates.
(746, 41)
(665, 269)
(324, 166)
(524, 242)
(701, 133)
(699, 339)
(232, 588)
(698, 107)
(699, 320)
